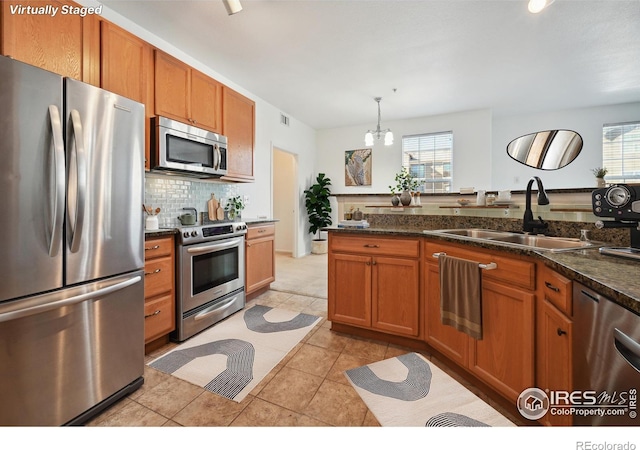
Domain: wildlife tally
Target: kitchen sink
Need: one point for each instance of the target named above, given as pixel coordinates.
(534, 242)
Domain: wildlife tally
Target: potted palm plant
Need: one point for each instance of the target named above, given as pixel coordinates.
(318, 210)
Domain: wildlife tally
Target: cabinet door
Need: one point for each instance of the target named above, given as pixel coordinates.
(350, 289)
(554, 356)
(395, 295)
(125, 69)
(206, 102)
(444, 338)
(172, 87)
(504, 357)
(60, 44)
(260, 260)
(238, 116)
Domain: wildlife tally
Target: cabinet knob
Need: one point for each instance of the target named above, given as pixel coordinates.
(560, 332)
(374, 262)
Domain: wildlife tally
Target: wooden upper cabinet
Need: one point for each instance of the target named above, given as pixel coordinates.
(125, 63)
(66, 44)
(126, 68)
(238, 125)
(182, 93)
(206, 101)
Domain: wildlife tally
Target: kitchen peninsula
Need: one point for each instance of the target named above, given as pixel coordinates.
(384, 284)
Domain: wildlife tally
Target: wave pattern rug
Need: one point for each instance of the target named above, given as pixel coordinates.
(410, 391)
(232, 357)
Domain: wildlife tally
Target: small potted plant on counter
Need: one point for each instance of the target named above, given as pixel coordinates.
(318, 210)
(599, 173)
(234, 207)
(405, 183)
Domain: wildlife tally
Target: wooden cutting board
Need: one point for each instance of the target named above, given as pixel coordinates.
(220, 213)
(212, 207)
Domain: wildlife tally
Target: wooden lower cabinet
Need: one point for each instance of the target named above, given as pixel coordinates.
(260, 258)
(554, 335)
(159, 291)
(374, 283)
(504, 357)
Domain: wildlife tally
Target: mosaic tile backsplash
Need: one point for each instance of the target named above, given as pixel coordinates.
(171, 194)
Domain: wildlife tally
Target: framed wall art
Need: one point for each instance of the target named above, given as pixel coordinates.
(357, 167)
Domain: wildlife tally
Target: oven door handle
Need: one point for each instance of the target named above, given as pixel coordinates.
(214, 247)
(215, 308)
(628, 348)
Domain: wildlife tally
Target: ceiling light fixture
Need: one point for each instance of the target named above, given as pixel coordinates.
(233, 6)
(369, 135)
(535, 6)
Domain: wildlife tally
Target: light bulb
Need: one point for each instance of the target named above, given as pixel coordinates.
(535, 6)
(368, 138)
(388, 138)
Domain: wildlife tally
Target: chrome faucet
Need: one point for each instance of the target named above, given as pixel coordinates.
(529, 225)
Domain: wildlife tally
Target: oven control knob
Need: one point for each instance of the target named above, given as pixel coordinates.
(186, 234)
(194, 233)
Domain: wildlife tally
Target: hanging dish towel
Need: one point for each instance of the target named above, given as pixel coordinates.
(461, 295)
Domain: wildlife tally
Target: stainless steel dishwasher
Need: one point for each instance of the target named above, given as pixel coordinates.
(606, 353)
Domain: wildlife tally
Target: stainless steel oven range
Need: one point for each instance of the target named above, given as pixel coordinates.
(209, 276)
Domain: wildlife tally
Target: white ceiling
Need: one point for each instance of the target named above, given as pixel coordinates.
(323, 61)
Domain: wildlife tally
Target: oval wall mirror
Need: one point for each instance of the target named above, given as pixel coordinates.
(546, 150)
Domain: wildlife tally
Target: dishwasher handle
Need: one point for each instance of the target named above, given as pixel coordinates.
(628, 348)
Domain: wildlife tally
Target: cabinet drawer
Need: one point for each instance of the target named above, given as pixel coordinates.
(375, 246)
(158, 317)
(158, 276)
(156, 247)
(513, 272)
(557, 290)
(254, 232)
(509, 270)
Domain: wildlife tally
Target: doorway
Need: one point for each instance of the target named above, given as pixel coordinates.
(285, 200)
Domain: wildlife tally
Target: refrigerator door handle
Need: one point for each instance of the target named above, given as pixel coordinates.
(19, 313)
(80, 181)
(57, 149)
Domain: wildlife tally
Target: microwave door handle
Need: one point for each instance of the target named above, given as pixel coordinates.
(58, 169)
(217, 157)
(81, 179)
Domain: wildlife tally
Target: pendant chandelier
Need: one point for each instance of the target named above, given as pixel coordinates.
(377, 133)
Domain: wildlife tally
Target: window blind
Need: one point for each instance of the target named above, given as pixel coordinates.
(621, 152)
(428, 157)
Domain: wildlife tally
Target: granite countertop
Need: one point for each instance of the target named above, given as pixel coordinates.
(612, 276)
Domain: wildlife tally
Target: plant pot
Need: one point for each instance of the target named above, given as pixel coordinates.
(319, 246)
(405, 198)
(395, 201)
(600, 182)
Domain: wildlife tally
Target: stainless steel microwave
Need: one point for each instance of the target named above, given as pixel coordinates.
(187, 150)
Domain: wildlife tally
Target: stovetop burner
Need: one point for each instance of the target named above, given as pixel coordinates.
(193, 234)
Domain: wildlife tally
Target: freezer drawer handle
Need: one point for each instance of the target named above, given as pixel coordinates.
(57, 144)
(25, 312)
(628, 348)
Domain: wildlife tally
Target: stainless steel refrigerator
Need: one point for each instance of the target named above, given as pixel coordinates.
(71, 247)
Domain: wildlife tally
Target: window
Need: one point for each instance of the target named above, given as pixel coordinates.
(428, 158)
(621, 152)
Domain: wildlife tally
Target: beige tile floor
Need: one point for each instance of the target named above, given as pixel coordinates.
(307, 388)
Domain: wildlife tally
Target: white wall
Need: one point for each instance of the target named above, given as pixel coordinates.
(298, 138)
(508, 174)
(471, 158)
